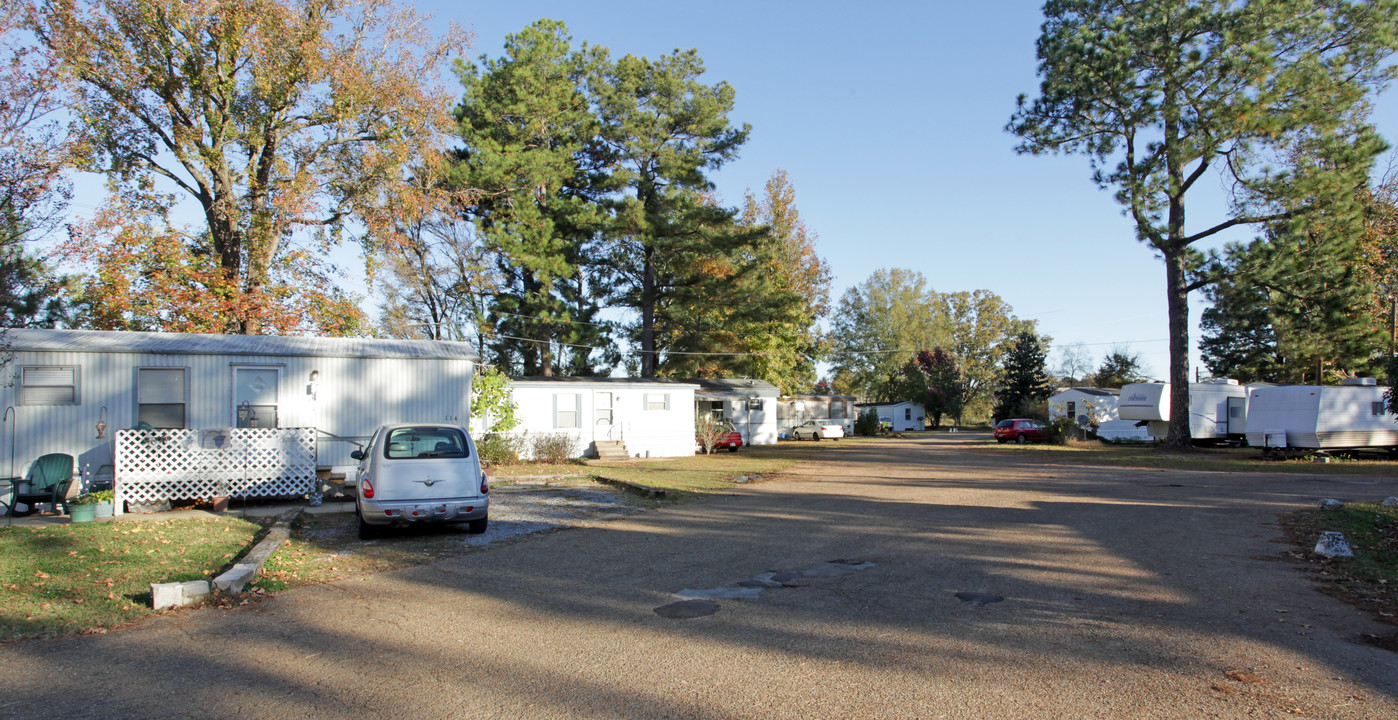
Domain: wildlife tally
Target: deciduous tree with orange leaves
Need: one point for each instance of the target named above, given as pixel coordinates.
(287, 123)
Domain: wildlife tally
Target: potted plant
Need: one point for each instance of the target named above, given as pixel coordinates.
(105, 499)
(82, 508)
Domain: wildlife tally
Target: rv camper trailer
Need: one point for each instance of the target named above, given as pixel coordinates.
(1217, 409)
(1352, 415)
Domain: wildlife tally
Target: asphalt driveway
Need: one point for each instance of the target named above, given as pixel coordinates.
(895, 579)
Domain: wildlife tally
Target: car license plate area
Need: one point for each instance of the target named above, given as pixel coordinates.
(427, 512)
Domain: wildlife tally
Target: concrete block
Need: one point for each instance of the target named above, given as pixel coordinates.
(1331, 504)
(164, 595)
(1390, 501)
(237, 577)
(1333, 544)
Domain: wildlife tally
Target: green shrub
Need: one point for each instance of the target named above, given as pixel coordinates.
(499, 449)
(553, 448)
(1061, 429)
(103, 496)
(867, 423)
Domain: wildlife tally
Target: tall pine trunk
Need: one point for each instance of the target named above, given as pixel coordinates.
(1177, 296)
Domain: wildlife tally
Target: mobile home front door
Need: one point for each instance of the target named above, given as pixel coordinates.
(605, 417)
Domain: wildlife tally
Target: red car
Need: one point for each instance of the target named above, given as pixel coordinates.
(1021, 431)
(733, 440)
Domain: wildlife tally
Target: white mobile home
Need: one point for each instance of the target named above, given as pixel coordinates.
(646, 417)
(1321, 417)
(792, 410)
(188, 398)
(751, 405)
(900, 416)
(1075, 402)
(1217, 408)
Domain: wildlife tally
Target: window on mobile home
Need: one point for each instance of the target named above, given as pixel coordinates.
(160, 397)
(567, 407)
(48, 385)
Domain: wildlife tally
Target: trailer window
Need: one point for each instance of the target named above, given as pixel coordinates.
(48, 385)
(1377, 407)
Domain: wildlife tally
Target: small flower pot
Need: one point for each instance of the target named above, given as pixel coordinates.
(81, 513)
(104, 510)
(220, 504)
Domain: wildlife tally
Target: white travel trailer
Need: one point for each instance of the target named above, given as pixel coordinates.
(1350, 415)
(1217, 408)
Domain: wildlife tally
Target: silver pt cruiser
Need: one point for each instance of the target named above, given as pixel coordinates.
(413, 473)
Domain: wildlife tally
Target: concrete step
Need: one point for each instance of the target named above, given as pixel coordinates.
(611, 450)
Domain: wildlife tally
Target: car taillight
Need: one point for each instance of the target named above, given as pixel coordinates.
(485, 483)
(366, 489)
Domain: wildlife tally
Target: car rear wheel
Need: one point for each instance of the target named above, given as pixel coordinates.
(1021, 439)
(367, 531)
(816, 437)
(477, 527)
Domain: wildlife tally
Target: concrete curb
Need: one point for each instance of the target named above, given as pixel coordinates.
(236, 578)
(643, 489)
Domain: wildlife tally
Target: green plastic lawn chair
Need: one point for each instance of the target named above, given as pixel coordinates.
(47, 482)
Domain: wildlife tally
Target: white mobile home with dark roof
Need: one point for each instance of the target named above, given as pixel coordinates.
(1074, 403)
(751, 405)
(609, 417)
(153, 404)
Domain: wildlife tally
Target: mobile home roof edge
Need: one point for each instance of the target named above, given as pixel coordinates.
(124, 341)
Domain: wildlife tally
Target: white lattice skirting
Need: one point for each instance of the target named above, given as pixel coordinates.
(159, 465)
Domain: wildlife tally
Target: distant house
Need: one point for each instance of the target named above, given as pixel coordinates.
(792, 410)
(1074, 403)
(902, 415)
(170, 416)
(751, 405)
(631, 417)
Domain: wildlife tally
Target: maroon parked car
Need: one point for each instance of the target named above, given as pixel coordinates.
(1021, 431)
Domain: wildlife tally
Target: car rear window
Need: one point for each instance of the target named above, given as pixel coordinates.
(425, 442)
(1006, 423)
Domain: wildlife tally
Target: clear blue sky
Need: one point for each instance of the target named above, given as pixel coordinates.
(889, 118)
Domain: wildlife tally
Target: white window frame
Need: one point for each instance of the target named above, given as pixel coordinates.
(664, 401)
(25, 384)
(233, 390)
(559, 399)
(184, 401)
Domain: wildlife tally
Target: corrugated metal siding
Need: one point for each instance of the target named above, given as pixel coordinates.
(354, 396)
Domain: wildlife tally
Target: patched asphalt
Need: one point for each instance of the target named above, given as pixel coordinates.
(1125, 593)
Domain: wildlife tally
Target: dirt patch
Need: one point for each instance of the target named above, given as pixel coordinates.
(327, 547)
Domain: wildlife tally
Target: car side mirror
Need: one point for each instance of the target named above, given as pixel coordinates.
(357, 454)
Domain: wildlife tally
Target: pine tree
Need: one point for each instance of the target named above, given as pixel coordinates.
(663, 130)
(1024, 382)
(1161, 94)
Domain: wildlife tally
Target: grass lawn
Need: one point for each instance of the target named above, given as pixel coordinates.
(90, 577)
(686, 476)
(1370, 578)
